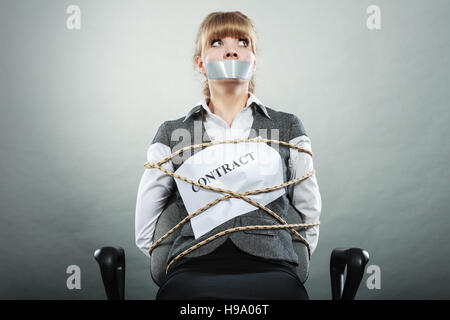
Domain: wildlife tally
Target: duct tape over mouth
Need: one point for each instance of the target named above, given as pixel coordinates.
(229, 69)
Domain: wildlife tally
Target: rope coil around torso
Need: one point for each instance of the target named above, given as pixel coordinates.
(232, 194)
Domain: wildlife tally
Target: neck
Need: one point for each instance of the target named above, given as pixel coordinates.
(228, 104)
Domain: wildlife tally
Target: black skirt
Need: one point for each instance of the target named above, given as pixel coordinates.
(229, 273)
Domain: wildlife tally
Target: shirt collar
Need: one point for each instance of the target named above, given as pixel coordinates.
(202, 104)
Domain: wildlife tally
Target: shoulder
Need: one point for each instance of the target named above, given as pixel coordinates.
(161, 134)
(166, 129)
(289, 121)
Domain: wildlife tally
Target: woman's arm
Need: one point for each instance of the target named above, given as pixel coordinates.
(305, 195)
(154, 190)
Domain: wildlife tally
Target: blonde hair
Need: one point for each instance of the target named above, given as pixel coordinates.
(219, 25)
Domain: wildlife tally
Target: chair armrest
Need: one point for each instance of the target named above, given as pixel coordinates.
(355, 259)
(112, 267)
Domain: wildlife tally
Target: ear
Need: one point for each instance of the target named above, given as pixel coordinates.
(254, 65)
(200, 65)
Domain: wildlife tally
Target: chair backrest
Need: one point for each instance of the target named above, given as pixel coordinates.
(171, 216)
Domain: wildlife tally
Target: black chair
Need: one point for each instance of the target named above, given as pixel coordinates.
(112, 259)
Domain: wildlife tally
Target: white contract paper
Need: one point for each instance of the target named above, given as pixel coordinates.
(238, 167)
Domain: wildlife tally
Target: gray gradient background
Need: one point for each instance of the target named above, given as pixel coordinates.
(80, 108)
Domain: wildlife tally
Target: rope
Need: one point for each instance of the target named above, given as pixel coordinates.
(232, 194)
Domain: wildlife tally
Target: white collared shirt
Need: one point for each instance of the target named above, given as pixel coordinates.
(218, 129)
(156, 187)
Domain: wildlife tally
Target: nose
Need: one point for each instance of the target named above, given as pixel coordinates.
(231, 53)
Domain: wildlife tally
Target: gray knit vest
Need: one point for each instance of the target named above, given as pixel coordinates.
(270, 243)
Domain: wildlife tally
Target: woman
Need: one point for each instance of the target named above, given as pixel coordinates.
(234, 267)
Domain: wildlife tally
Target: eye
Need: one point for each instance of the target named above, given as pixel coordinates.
(214, 41)
(245, 42)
